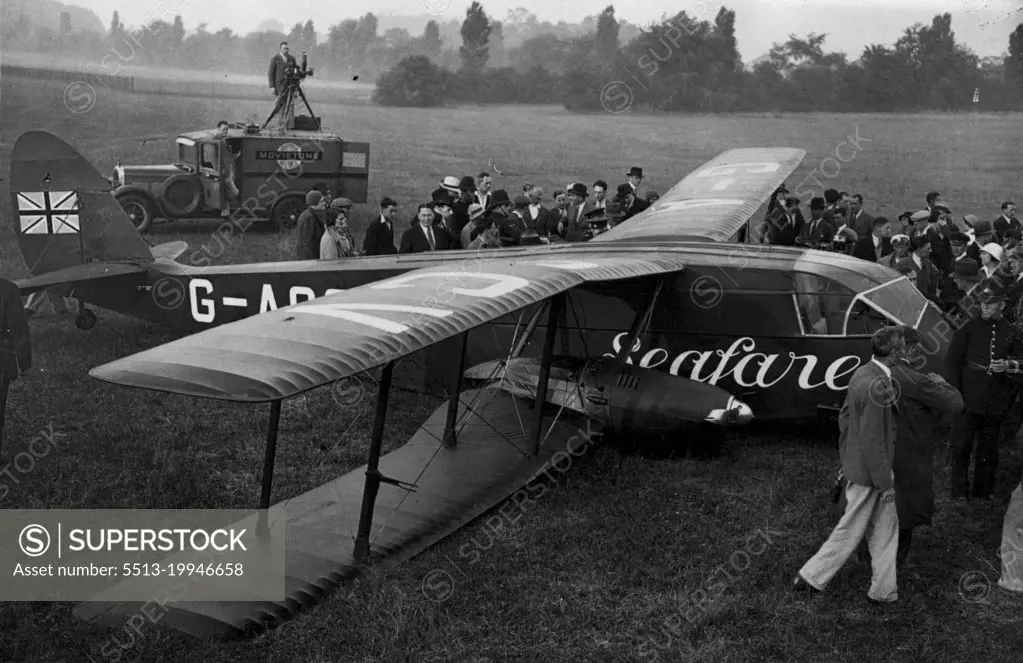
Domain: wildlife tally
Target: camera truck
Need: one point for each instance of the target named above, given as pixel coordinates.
(272, 169)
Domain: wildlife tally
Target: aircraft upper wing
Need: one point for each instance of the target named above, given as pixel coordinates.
(282, 353)
(713, 202)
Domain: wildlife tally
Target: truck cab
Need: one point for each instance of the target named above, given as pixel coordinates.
(271, 170)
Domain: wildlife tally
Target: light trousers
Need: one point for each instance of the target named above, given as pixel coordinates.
(1012, 544)
(865, 515)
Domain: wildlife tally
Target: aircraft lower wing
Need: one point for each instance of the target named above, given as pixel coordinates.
(88, 272)
(715, 201)
(285, 352)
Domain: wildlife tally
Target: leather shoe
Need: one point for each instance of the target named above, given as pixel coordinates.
(801, 585)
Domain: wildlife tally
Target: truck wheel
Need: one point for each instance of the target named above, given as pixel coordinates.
(286, 212)
(139, 208)
(182, 195)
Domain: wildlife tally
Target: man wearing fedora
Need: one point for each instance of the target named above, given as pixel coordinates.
(635, 178)
(578, 207)
(443, 207)
(630, 202)
(475, 225)
(961, 267)
(977, 368)
(983, 233)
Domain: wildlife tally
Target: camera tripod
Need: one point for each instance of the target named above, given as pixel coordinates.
(285, 106)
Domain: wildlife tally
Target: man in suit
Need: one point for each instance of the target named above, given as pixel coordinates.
(579, 206)
(462, 199)
(817, 230)
(635, 178)
(977, 366)
(867, 450)
(15, 344)
(928, 276)
(599, 194)
(859, 220)
(279, 65)
(833, 200)
(443, 207)
(379, 239)
(312, 223)
(536, 213)
(877, 243)
(483, 184)
(924, 400)
(424, 236)
(1007, 221)
(630, 202)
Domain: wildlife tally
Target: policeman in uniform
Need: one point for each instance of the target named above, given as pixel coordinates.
(977, 358)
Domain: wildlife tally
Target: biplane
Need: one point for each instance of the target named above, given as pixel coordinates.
(781, 328)
(731, 331)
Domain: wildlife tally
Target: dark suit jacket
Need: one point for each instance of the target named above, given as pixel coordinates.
(923, 402)
(276, 73)
(311, 226)
(862, 224)
(638, 205)
(1002, 226)
(864, 249)
(867, 427)
(541, 219)
(973, 344)
(379, 239)
(414, 240)
(824, 232)
(15, 342)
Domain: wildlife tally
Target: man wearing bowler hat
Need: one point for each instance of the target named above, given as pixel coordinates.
(630, 202)
(977, 362)
(949, 289)
(577, 210)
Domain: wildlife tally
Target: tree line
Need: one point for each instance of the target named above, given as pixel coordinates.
(688, 65)
(601, 64)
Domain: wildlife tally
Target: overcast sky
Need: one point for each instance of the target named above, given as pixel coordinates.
(982, 24)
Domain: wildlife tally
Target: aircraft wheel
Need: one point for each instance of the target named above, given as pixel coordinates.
(85, 320)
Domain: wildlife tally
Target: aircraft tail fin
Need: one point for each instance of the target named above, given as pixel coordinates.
(65, 213)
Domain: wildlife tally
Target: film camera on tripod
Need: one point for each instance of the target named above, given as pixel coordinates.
(284, 109)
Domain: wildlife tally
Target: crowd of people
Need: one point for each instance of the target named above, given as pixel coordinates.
(465, 213)
(946, 258)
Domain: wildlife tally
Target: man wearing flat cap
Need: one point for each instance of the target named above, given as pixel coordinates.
(312, 223)
(977, 362)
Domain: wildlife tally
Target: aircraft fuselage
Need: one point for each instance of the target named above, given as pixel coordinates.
(744, 325)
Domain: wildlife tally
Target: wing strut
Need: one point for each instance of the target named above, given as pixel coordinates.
(556, 310)
(373, 476)
(262, 529)
(450, 439)
(638, 323)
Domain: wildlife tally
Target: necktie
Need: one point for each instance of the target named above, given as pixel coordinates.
(429, 236)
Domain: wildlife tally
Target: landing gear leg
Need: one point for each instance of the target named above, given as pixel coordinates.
(86, 319)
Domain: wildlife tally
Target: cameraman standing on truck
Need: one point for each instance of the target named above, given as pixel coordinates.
(280, 65)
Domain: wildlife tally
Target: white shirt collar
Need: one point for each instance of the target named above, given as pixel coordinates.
(877, 241)
(887, 371)
(917, 260)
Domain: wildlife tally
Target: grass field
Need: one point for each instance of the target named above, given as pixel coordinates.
(681, 560)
